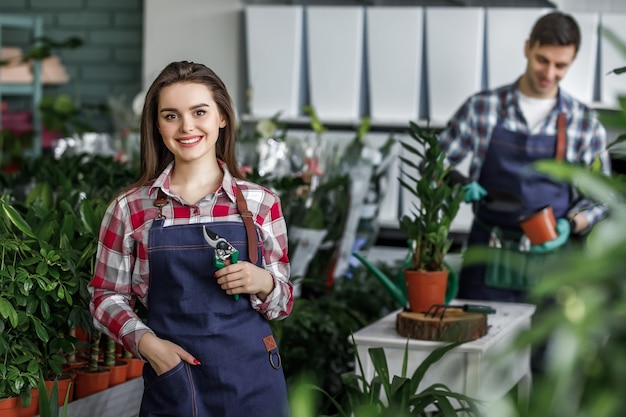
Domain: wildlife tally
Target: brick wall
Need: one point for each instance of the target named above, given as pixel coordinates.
(110, 60)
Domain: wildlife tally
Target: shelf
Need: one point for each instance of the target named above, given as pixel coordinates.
(17, 89)
(34, 24)
(376, 125)
(121, 400)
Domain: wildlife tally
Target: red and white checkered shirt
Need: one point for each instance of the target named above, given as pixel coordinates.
(122, 268)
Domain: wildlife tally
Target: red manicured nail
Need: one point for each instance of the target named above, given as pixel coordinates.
(196, 361)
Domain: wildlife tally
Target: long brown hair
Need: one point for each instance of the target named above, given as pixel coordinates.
(154, 154)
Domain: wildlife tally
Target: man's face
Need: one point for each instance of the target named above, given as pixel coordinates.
(546, 67)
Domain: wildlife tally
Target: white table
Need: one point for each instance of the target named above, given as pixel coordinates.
(485, 369)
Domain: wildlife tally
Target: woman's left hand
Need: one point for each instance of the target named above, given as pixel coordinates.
(245, 278)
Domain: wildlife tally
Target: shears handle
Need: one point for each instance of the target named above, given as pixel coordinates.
(219, 264)
(478, 308)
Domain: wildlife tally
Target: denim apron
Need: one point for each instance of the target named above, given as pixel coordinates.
(240, 372)
(508, 167)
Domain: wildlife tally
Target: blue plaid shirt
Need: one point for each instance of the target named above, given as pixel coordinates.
(469, 132)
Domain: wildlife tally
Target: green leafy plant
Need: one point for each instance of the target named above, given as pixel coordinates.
(331, 319)
(583, 324)
(49, 222)
(399, 395)
(49, 401)
(428, 225)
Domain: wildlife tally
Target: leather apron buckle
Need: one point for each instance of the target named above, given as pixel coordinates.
(271, 347)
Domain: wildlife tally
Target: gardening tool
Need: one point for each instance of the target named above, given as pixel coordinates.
(495, 200)
(397, 288)
(434, 310)
(225, 253)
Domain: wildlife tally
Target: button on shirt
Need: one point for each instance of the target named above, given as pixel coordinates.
(122, 269)
(469, 131)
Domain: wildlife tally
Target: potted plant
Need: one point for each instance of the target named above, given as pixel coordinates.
(49, 220)
(399, 395)
(92, 378)
(427, 226)
(118, 368)
(51, 398)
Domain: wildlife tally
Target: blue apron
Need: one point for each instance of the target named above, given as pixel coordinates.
(508, 167)
(240, 372)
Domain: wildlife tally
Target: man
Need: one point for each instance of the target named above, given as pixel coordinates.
(507, 130)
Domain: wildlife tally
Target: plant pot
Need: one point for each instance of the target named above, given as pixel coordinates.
(30, 410)
(425, 288)
(65, 382)
(540, 226)
(70, 366)
(135, 367)
(119, 373)
(88, 383)
(8, 407)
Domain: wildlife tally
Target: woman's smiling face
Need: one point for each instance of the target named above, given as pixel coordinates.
(189, 121)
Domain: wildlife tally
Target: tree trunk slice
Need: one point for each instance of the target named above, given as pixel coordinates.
(456, 325)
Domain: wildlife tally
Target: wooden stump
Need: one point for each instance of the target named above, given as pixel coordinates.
(456, 325)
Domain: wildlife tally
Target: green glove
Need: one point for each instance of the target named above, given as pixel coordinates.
(474, 192)
(563, 229)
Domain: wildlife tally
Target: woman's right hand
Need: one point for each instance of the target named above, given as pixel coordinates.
(162, 354)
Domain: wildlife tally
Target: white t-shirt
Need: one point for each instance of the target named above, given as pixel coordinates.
(535, 110)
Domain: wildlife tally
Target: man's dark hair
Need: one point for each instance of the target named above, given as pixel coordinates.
(556, 28)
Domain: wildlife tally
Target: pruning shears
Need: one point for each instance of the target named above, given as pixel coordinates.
(225, 253)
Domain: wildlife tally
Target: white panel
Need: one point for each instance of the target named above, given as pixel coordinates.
(580, 78)
(507, 32)
(274, 54)
(335, 57)
(454, 47)
(394, 58)
(613, 85)
(205, 31)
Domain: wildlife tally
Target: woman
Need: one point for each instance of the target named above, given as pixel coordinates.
(208, 352)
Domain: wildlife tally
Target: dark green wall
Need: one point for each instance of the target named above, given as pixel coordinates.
(110, 60)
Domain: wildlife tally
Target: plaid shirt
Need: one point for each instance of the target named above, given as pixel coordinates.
(469, 131)
(122, 268)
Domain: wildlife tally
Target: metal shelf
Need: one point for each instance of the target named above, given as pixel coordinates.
(17, 89)
(34, 89)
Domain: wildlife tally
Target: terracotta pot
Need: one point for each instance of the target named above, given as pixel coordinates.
(71, 365)
(540, 226)
(65, 382)
(88, 383)
(32, 409)
(425, 288)
(8, 407)
(119, 373)
(135, 367)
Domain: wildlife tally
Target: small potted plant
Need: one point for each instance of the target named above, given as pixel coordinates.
(427, 226)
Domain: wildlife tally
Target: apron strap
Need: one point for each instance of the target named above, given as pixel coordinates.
(561, 129)
(246, 215)
(160, 202)
(561, 136)
(162, 199)
(502, 113)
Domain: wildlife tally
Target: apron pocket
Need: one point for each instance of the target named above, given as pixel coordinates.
(513, 270)
(171, 393)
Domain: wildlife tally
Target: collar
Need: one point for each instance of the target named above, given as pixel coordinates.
(564, 102)
(164, 179)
